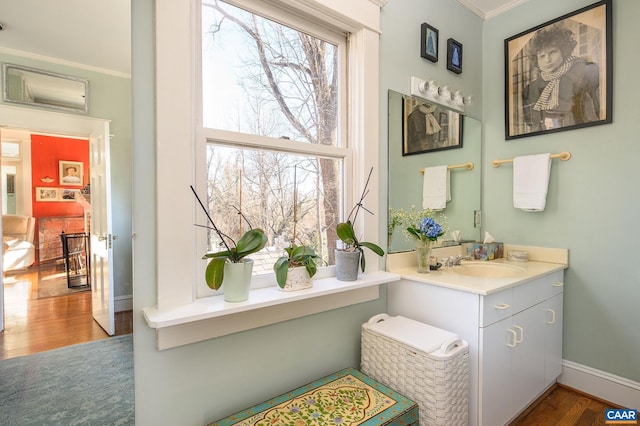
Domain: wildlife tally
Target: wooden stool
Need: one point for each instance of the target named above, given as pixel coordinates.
(348, 396)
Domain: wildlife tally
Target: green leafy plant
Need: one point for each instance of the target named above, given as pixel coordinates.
(297, 256)
(395, 219)
(251, 241)
(347, 234)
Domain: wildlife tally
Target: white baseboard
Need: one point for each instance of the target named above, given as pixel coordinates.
(123, 303)
(603, 385)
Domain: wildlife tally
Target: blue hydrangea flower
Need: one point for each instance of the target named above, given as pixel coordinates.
(426, 224)
(430, 228)
(434, 231)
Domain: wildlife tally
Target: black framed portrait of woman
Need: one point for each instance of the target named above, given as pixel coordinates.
(558, 75)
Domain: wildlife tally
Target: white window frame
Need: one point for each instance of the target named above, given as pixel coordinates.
(245, 140)
(177, 115)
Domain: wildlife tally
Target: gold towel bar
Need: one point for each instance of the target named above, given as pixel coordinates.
(564, 156)
(468, 166)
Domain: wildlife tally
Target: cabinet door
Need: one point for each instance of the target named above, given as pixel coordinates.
(528, 357)
(495, 373)
(553, 339)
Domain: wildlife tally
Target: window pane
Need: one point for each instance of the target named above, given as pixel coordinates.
(263, 78)
(262, 183)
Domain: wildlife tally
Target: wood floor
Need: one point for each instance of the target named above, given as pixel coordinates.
(563, 406)
(38, 324)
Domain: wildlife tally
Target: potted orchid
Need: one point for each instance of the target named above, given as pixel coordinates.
(297, 266)
(352, 252)
(231, 267)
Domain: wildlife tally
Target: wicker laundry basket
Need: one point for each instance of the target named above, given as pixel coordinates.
(425, 363)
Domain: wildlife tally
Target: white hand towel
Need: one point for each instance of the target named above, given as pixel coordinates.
(436, 190)
(531, 181)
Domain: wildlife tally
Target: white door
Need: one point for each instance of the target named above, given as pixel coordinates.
(527, 362)
(101, 235)
(496, 342)
(553, 339)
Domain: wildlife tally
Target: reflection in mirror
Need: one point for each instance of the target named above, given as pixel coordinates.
(44, 89)
(429, 127)
(406, 181)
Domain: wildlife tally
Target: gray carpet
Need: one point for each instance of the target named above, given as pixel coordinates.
(84, 384)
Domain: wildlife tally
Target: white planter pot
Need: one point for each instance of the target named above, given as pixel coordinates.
(237, 280)
(297, 279)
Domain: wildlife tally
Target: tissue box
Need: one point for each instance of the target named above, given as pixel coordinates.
(488, 251)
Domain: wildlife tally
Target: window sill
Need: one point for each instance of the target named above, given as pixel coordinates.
(212, 317)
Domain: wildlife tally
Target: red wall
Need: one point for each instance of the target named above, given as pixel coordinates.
(46, 152)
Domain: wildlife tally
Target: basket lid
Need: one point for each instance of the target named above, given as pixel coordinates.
(421, 336)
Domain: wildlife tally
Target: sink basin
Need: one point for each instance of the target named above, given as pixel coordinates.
(487, 269)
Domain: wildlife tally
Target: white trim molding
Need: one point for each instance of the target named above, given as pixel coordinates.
(123, 303)
(487, 14)
(603, 385)
(212, 317)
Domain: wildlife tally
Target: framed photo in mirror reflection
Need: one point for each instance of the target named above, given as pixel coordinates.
(428, 127)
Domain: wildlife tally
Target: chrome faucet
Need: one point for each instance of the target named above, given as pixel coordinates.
(455, 260)
(458, 259)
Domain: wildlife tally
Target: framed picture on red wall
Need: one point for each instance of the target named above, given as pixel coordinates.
(71, 173)
(69, 194)
(44, 193)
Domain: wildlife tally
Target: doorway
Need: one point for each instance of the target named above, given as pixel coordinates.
(91, 129)
(32, 165)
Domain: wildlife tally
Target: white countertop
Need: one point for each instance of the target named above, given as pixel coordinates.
(448, 277)
(542, 261)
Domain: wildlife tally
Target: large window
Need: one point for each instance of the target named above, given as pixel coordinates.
(271, 119)
(303, 140)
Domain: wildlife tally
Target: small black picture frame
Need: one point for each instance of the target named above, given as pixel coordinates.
(454, 56)
(429, 38)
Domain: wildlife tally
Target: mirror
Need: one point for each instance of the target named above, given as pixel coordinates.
(44, 89)
(406, 181)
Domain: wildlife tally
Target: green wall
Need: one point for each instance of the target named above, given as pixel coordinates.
(593, 204)
(109, 99)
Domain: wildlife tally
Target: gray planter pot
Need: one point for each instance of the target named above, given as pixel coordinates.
(347, 265)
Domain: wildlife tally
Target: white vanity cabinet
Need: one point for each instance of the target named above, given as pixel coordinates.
(522, 353)
(514, 336)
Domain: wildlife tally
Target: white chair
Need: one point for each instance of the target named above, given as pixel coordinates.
(18, 251)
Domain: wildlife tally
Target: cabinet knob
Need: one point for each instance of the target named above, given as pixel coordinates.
(557, 284)
(503, 306)
(513, 343)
